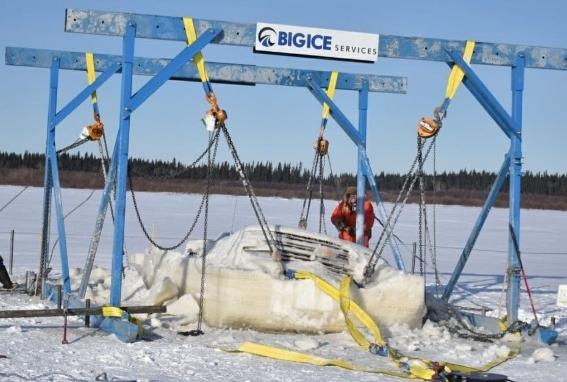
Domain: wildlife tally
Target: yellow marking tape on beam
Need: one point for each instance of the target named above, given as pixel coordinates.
(91, 75)
(330, 93)
(198, 58)
(112, 311)
(457, 74)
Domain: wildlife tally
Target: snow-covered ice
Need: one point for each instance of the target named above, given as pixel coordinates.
(33, 345)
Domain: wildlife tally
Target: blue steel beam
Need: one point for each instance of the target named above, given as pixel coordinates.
(360, 174)
(53, 176)
(122, 165)
(170, 69)
(494, 190)
(218, 72)
(390, 46)
(515, 193)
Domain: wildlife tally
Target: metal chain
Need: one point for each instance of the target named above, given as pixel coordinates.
(205, 227)
(215, 140)
(13, 198)
(393, 217)
(77, 143)
(189, 166)
(473, 334)
(322, 225)
(45, 232)
(104, 165)
(433, 255)
(421, 204)
(309, 192)
(251, 195)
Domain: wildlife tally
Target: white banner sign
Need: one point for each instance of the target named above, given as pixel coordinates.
(303, 41)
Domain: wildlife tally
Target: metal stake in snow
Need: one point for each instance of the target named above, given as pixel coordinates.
(65, 306)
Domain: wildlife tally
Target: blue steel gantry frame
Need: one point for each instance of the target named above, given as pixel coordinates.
(180, 68)
(518, 57)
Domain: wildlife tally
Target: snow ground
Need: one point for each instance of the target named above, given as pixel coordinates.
(33, 346)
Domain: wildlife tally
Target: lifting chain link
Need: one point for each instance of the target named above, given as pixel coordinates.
(421, 205)
(399, 204)
(321, 147)
(275, 246)
(210, 162)
(204, 200)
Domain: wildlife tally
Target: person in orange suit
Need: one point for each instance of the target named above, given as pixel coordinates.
(344, 217)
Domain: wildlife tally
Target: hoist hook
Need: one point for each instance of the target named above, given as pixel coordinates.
(219, 114)
(321, 146)
(429, 126)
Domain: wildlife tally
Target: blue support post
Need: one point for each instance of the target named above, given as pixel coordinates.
(47, 180)
(360, 174)
(494, 190)
(122, 164)
(60, 219)
(513, 292)
(53, 176)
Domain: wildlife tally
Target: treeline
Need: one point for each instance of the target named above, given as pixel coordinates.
(286, 173)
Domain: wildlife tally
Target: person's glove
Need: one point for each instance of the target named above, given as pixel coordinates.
(340, 224)
(349, 230)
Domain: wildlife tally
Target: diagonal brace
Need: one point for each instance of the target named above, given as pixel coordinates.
(484, 96)
(172, 67)
(336, 113)
(85, 93)
(494, 190)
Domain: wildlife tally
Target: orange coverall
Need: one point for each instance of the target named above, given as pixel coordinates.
(344, 213)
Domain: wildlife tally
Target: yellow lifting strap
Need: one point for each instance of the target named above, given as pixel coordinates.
(330, 93)
(292, 356)
(352, 306)
(91, 74)
(457, 74)
(198, 58)
(417, 368)
(345, 304)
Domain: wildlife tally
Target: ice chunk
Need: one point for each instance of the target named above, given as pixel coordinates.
(543, 355)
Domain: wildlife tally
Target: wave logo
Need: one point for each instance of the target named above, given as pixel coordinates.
(267, 37)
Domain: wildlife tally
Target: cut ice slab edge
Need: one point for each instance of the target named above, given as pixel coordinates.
(245, 289)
